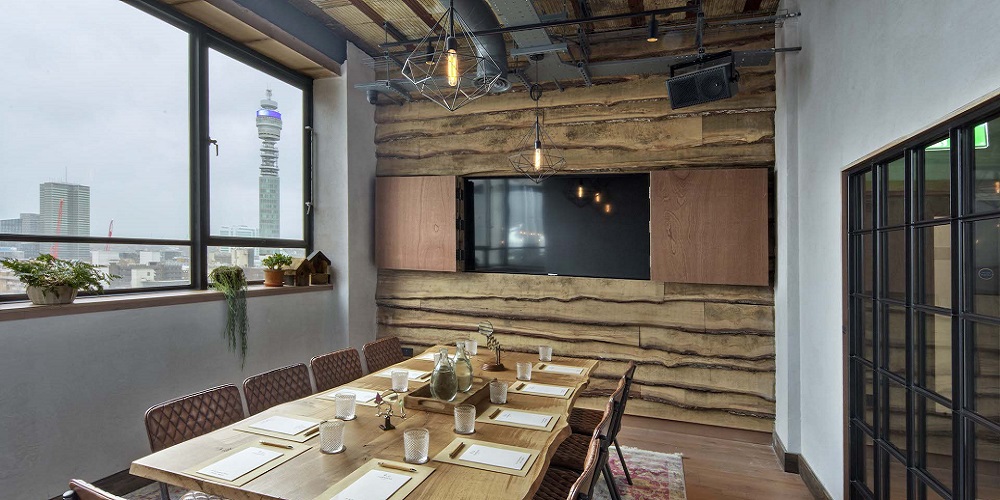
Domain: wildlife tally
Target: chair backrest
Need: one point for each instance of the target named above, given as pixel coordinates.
(626, 384)
(382, 353)
(276, 386)
(597, 456)
(81, 490)
(336, 368)
(180, 419)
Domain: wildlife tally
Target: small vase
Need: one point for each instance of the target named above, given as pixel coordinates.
(274, 277)
(463, 368)
(54, 296)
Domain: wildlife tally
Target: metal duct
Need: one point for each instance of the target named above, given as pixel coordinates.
(479, 16)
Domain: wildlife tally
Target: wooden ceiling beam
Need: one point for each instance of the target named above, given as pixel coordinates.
(421, 12)
(752, 5)
(378, 19)
(636, 6)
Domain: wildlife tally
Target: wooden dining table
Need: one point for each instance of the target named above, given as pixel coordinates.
(312, 472)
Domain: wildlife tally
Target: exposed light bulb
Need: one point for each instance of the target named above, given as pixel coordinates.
(452, 63)
(607, 208)
(996, 187)
(597, 198)
(579, 191)
(538, 155)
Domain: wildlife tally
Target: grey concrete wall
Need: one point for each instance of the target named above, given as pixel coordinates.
(870, 73)
(73, 388)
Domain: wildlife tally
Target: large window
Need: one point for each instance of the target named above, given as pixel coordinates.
(924, 308)
(144, 143)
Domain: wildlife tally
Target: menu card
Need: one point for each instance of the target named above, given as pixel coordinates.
(283, 425)
(548, 390)
(414, 374)
(524, 418)
(496, 457)
(374, 485)
(569, 370)
(239, 464)
(360, 395)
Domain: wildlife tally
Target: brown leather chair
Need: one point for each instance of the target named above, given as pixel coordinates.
(190, 416)
(336, 368)
(276, 386)
(562, 484)
(382, 353)
(572, 453)
(584, 421)
(81, 490)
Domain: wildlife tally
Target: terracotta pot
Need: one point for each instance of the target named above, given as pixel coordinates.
(274, 277)
(55, 296)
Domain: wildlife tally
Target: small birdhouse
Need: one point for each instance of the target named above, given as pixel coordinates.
(320, 268)
(299, 272)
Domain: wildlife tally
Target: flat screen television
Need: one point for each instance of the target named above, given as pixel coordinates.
(573, 225)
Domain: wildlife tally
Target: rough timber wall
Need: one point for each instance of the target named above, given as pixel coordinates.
(705, 353)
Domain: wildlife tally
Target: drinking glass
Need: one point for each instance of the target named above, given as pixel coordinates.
(415, 445)
(498, 392)
(400, 380)
(472, 347)
(524, 371)
(331, 436)
(545, 353)
(345, 405)
(465, 419)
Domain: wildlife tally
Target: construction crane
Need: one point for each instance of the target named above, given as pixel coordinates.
(111, 229)
(55, 246)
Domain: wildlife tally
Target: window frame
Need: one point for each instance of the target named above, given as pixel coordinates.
(201, 38)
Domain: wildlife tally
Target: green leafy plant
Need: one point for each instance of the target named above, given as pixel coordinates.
(48, 272)
(232, 282)
(276, 261)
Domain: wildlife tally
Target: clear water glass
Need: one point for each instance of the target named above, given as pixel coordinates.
(472, 347)
(498, 392)
(400, 380)
(465, 419)
(345, 405)
(415, 445)
(331, 436)
(524, 371)
(545, 353)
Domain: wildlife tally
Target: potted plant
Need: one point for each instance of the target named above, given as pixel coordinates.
(53, 281)
(274, 275)
(232, 282)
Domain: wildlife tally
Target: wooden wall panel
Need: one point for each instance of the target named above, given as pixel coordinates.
(415, 223)
(705, 352)
(709, 226)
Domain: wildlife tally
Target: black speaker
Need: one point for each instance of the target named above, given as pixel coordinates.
(703, 85)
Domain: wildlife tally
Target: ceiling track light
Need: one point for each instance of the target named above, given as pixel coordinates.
(653, 34)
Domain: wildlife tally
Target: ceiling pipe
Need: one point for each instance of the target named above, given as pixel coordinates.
(479, 17)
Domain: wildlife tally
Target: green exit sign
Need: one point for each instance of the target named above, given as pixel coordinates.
(981, 140)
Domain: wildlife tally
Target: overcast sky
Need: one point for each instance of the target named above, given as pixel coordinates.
(96, 92)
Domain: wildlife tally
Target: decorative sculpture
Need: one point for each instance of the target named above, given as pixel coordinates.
(486, 329)
(386, 410)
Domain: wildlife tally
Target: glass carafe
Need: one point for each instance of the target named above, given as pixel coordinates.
(463, 368)
(444, 384)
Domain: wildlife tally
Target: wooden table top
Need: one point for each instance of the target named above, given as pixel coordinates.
(308, 475)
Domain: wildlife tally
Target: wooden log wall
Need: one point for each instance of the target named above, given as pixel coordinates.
(705, 352)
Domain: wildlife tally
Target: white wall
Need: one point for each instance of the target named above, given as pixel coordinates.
(870, 72)
(345, 183)
(73, 388)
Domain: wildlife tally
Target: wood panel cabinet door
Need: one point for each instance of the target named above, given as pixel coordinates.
(709, 226)
(415, 224)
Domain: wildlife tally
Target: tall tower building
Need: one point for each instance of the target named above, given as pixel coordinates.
(65, 210)
(269, 197)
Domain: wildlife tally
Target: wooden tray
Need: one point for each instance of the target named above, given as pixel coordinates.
(478, 396)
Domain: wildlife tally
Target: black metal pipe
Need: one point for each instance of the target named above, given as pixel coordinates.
(563, 22)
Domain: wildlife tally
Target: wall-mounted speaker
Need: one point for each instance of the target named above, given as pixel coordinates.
(703, 85)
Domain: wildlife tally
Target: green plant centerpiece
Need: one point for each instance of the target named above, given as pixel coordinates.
(274, 274)
(52, 281)
(232, 282)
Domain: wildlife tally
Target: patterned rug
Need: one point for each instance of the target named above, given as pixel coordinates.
(656, 476)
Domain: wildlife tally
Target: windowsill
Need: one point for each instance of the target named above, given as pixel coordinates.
(83, 305)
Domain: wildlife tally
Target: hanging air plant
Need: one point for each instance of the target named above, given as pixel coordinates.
(232, 282)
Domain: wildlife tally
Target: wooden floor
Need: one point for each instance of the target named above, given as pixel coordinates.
(718, 463)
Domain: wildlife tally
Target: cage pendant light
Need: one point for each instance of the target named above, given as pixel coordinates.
(536, 157)
(446, 66)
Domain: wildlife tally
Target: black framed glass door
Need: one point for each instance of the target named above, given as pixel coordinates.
(924, 316)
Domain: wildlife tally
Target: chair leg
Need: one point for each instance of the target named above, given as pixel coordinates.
(610, 479)
(164, 493)
(628, 477)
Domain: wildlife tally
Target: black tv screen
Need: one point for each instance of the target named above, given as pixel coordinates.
(591, 226)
